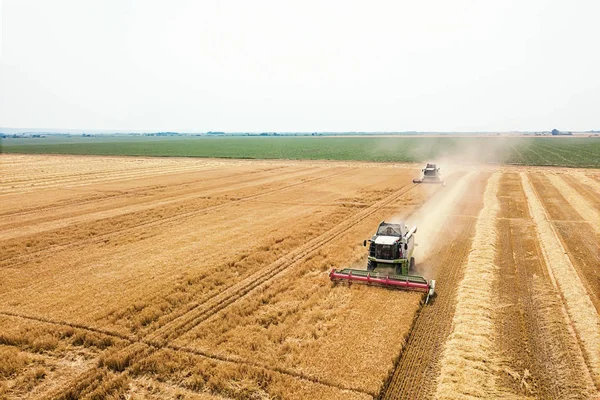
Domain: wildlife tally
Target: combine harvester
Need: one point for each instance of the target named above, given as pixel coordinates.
(431, 174)
(390, 261)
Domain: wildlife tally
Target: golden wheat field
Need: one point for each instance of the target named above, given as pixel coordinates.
(124, 277)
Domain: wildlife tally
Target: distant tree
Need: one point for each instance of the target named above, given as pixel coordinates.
(555, 132)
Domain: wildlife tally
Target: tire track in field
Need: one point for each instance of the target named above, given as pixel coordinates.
(115, 228)
(577, 237)
(327, 177)
(100, 195)
(203, 311)
(19, 259)
(580, 312)
(76, 181)
(95, 379)
(283, 371)
(92, 176)
(418, 366)
(150, 204)
(102, 171)
(104, 175)
(161, 337)
(586, 186)
(231, 360)
(580, 203)
(129, 338)
(227, 359)
(539, 353)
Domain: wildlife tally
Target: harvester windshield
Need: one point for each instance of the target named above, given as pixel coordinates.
(389, 230)
(385, 252)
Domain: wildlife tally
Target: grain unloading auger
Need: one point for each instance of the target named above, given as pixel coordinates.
(390, 262)
(431, 174)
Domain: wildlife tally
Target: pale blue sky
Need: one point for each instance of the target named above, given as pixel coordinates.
(440, 65)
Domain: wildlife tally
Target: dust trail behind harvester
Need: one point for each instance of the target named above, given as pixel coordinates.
(488, 149)
(470, 156)
(432, 215)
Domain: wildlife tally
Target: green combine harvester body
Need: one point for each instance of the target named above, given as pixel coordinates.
(390, 262)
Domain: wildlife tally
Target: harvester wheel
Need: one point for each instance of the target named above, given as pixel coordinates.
(371, 265)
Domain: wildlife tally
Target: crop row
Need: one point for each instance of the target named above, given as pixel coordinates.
(571, 152)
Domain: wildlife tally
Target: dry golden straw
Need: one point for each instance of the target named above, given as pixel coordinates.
(468, 352)
(580, 309)
(577, 201)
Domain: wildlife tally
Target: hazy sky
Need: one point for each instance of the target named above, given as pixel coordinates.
(323, 65)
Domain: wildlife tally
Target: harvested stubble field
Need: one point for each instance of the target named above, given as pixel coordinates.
(199, 278)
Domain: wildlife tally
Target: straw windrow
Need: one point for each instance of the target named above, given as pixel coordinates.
(585, 179)
(579, 307)
(577, 201)
(466, 363)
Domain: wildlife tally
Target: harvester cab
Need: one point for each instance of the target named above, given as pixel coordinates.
(390, 261)
(431, 174)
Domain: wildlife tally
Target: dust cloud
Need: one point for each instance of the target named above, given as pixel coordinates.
(450, 151)
(431, 216)
(454, 161)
